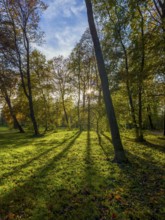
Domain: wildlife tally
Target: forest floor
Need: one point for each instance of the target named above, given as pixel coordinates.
(69, 176)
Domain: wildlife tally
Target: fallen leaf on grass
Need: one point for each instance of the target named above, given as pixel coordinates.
(10, 216)
(118, 197)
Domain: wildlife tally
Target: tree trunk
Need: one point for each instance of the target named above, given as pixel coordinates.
(45, 103)
(89, 113)
(32, 116)
(30, 97)
(116, 140)
(140, 138)
(132, 111)
(150, 118)
(65, 112)
(84, 95)
(130, 99)
(140, 77)
(164, 124)
(26, 88)
(13, 114)
(45, 112)
(79, 88)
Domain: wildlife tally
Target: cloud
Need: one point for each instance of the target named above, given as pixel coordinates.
(62, 41)
(63, 22)
(63, 8)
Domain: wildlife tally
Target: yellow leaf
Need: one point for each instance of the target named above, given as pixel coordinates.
(10, 216)
(117, 197)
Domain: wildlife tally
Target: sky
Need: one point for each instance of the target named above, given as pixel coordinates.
(63, 23)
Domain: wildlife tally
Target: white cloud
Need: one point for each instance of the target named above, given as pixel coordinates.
(63, 8)
(63, 23)
(64, 40)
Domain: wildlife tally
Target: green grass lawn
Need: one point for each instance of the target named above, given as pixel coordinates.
(69, 176)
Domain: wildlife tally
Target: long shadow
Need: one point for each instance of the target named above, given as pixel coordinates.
(154, 146)
(63, 153)
(107, 137)
(31, 187)
(144, 174)
(22, 166)
(15, 140)
(144, 180)
(81, 200)
(149, 144)
(102, 146)
(86, 201)
(88, 162)
(62, 202)
(89, 168)
(161, 138)
(88, 195)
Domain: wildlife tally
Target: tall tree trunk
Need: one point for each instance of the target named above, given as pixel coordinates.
(89, 112)
(65, 112)
(27, 91)
(79, 88)
(164, 123)
(30, 97)
(13, 114)
(45, 102)
(84, 95)
(78, 105)
(45, 112)
(89, 99)
(150, 118)
(140, 77)
(130, 99)
(84, 103)
(116, 140)
(128, 88)
(140, 138)
(32, 116)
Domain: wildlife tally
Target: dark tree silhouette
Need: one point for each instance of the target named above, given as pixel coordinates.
(116, 140)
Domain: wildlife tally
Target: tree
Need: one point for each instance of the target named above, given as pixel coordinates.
(22, 19)
(120, 156)
(8, 82)
(43, 86)
(116, 27)
(62, 83)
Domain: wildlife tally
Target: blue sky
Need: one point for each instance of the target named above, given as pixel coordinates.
(63, 22)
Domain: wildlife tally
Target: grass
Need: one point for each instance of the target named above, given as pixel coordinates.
(69, 176)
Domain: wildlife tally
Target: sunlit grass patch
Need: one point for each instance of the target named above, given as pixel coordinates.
(69, 175)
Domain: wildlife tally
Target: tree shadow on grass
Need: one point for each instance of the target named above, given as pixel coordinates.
(154, 146)
(107, 137)
(77, 204)
(89, 196)
(161, 138)
(62, 154)
(15, 140)
(23, 196)
(142, 183)
(146, 185)
(42, 154)
(88, 166)
(149, 144)
(85, 203)
(101, 143)
(141, 178)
